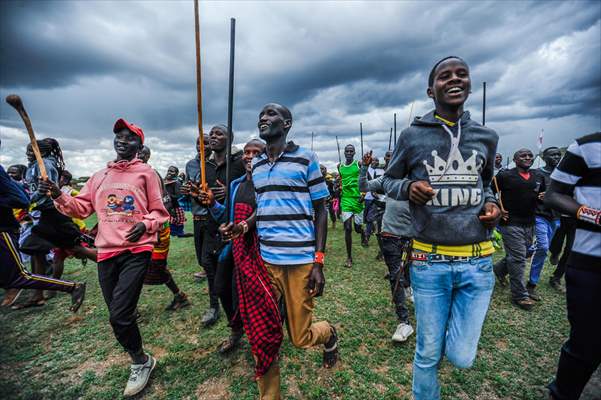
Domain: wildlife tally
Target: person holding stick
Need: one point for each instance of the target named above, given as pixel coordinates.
(351, 201)
(53, 230)
(443, 164)
(292, 223)
(13, 274)
(127, 198)
(219, 280)
(519, 188)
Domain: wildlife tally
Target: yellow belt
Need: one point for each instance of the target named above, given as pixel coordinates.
(467, 250)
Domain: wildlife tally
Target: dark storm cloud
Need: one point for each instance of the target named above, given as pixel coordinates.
(80, 65)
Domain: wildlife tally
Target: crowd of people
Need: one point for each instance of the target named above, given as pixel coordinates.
(434, 206)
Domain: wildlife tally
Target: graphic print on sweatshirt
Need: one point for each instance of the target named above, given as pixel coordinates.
(120, 201)
(461, 175)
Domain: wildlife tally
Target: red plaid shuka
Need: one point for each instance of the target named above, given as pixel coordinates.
(179, 218)
(258, 308)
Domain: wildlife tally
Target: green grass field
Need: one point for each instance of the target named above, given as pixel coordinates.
(49, 353)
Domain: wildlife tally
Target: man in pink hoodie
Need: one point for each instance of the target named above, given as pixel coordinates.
(126, 197)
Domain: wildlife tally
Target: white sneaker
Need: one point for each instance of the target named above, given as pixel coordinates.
(402, 333)
(138, 377)
(409, 293)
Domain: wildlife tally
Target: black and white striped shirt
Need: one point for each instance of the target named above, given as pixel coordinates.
(579, 174)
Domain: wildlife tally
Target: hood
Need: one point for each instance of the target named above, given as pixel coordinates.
(430, 120)
(123, 165)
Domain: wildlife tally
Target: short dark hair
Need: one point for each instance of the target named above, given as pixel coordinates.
(67, 175)
(433, 70)
(549, 149)
(224, 129)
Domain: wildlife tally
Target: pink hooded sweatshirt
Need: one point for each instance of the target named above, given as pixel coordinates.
(123, 194)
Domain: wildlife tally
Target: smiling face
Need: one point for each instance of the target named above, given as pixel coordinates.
(126, 144)
(274, 121)
(349, 153)
(251, 150)
(171, 172)
(452, 83)
(551, 157)
(498, 160)
(523, 159)
(218, 138)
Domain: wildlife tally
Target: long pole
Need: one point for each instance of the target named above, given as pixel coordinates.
(390, 139)
(230, 112)
(483, 103)
(395, 130)
(201, 151)
(410, 114)
(361, 133)
(338, 145)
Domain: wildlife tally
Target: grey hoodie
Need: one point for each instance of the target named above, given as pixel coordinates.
(458, 162)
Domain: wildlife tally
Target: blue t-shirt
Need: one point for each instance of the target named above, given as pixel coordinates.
(285, 191)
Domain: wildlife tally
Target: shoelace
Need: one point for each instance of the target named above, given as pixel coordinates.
(135, 372)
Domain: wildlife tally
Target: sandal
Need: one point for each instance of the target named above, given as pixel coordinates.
(29, 303)
(330, 352)
(230, 343)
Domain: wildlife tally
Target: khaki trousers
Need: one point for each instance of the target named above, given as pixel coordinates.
(290, 282)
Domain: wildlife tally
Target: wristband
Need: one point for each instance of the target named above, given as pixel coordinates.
(589, 214)
(319, 257)
(244, 227)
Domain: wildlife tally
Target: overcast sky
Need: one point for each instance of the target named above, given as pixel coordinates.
(79, 65)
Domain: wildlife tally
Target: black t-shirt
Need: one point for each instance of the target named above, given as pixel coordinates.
(541, 209)
(520, 196)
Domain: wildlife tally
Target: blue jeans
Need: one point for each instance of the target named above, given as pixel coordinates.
(451, 301)
(543, 230)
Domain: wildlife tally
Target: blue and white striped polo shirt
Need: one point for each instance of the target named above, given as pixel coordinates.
(285, 190)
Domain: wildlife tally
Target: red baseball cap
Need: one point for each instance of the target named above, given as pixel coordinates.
(121, 123)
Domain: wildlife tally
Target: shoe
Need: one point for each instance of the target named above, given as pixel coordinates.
(409, 293)
(532, 293)
(138, 376)
(180, 300)
(210, 317)
(556, 284)
(199, 276)
(230, 343)
(554, 259)
(10, 297)
(525, 304)
(402, 333)
(330, 351)
(77, 296)
(349, 263)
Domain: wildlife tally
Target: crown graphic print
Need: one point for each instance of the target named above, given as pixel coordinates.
(454, 170)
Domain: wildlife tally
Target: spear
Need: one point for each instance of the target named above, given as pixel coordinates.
(361, 133)
(395, 130)
(230, 111)
(203, 177)
(338, 145)
(410, 114)
(390, 139)
(483, 103)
